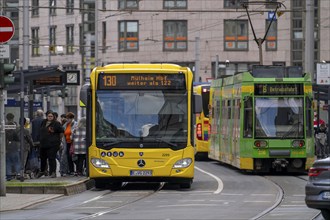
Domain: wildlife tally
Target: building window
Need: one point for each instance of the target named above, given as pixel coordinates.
(35, 41)
(225, 69)
(236, 35)
(128, 36)
(104, 36)
(104, 4)
(35, 8)
(69, 39)
(52, 7)
(128, 4)
(69, 6)
(233, 3)
(175, 36)
(52, 39)
(173, 4)
(271, 38)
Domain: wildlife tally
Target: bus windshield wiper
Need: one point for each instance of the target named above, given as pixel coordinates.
(160, 140)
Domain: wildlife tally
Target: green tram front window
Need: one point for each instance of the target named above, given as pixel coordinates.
(279, 118)
(129, 118)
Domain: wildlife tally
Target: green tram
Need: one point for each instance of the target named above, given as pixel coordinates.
(262, 120)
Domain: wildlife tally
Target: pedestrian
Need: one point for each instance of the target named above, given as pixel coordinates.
(79, 146)
(63, 119)
(50, 138)
(13, 156)
(321, 143)
(27, 144)
(69, 127)
(36, 124)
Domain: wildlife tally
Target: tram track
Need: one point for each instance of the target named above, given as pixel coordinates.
(281, 196)
(141, 195)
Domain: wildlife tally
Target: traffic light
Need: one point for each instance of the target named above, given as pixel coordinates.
(6, 76)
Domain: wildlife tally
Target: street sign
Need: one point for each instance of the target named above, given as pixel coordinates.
(323, 74)
(271, 14)
(4, 51)
(7, 29)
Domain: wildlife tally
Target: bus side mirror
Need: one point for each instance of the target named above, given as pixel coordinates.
(83, 95)
(197, 104)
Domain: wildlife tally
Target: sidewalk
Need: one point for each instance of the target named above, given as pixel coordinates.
(32, 191)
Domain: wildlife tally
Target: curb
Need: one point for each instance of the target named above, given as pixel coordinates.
(67, 190)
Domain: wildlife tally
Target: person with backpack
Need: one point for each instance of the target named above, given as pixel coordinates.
(13, 158)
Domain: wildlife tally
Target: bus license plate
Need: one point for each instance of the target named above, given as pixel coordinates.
(141, 172)
(326, 195)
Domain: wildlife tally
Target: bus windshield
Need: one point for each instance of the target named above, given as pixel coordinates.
(146, 116)
(279, 118)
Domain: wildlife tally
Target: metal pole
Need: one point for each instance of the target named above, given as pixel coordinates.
(309, 41)
(197, 61)
(2, 138)
(22, 126)
(328, 147)
(96, 35)
(216, 69)
(260, 51)
(26, 36)
(48, 98)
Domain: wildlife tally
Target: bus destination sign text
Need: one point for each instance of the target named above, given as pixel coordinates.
(141, 81)
(279, 89)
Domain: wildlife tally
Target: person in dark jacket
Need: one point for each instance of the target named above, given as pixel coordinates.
(13, 163)
(36, 124)
(50, 138)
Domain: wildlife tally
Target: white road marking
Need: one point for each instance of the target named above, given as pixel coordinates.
(261, 194)
(256, 201)
(231, 194)
(220, 183)
(187, 205)
(191, 200)
(93, 199)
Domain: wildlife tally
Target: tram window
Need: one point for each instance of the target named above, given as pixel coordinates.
(229, 109)
(248, 117)
(309, 127)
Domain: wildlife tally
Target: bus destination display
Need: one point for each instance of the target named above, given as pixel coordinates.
(141, 81)
(279, 89)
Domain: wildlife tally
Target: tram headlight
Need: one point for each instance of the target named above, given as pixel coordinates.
(183, 163)
(99, 163)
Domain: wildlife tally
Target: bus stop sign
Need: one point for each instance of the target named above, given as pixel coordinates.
(7, 29)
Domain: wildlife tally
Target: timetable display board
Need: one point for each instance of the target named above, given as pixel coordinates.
(278, 89)
(153, 81)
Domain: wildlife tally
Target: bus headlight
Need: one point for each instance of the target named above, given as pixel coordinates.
(183, 163)
(99, 163)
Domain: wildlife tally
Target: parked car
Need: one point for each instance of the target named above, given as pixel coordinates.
(318, 187)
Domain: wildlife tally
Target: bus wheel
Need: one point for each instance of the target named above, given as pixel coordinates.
(186, 185)
(99, 184)
(115, 185)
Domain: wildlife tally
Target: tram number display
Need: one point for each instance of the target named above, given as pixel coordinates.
(141, 81)
(278, 89)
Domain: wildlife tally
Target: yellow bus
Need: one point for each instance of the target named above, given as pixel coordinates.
(202, 126)
(139, 120)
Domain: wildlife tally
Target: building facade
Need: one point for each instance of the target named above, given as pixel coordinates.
(199, 34)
